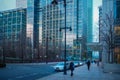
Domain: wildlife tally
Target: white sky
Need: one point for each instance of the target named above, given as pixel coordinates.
(96, 4)
(7, 4)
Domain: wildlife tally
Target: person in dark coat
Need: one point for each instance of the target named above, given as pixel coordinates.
(71, 67)
(88, 64)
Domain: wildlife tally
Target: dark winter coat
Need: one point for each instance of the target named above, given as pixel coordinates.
(71, 66)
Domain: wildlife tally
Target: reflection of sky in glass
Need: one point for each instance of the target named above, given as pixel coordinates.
(96, 4)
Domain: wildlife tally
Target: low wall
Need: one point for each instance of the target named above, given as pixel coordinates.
(115, 68)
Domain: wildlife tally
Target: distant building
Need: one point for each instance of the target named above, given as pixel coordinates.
(13, 33)
(44, 21)
(21, 3)
(100, 29)
(117, 30)
(32, 29)
(51, 34)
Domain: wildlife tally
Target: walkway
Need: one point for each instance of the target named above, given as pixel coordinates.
(81, 73)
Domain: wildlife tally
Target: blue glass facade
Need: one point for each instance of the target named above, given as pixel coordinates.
(44, 21)
(13, 33)
(79, 17)
(117, 31)
(32, 26)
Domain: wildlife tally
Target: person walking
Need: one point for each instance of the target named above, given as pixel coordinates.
(97, 62)
(88, 64)
(71, 68)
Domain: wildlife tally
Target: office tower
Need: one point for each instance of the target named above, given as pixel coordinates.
(107, 9)
(21, 3)
(13, 33)
(117, 31)
(40, 17)
(100, 29)
(32, 28)
(7, 5)
(51, 35)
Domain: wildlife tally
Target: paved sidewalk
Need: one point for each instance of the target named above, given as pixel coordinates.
(81, 73)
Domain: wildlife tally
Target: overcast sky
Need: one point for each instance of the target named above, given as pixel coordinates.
(96, 4)
(7, 4)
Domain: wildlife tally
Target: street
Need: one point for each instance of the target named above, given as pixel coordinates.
(25, 71)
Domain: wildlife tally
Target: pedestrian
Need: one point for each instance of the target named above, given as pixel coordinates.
(71, 68)
(88, 64)
(98, 63)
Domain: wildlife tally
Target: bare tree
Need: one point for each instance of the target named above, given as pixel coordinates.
(107, 34)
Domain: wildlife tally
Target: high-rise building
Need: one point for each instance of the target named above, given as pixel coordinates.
(21, 3)
(13, 33)
(79, 18)
(110, 16)
(107, 9)
(32, 29)
(44, 21)
(117, 30)
(89, 11)
(100, 29)
(51, 35)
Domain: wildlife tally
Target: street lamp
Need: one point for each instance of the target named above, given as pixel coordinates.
(54, 2)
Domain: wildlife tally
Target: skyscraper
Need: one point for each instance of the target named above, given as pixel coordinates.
(100, 29)
(44, 21)
(21, 3)
(111, 18)
(117, 30)
(33, 27)
(13, 33)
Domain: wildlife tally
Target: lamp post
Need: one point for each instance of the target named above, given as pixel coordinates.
(54, 2)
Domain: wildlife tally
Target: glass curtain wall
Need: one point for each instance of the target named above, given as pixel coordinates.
(51, 19)
(32, 29)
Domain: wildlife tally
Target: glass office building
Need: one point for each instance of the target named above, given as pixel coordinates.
(21, 3)
(44, 21)
(117, 30)
(112, 9)
(13, 33)
(51, 35)
(79, 18)
(32, 29)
